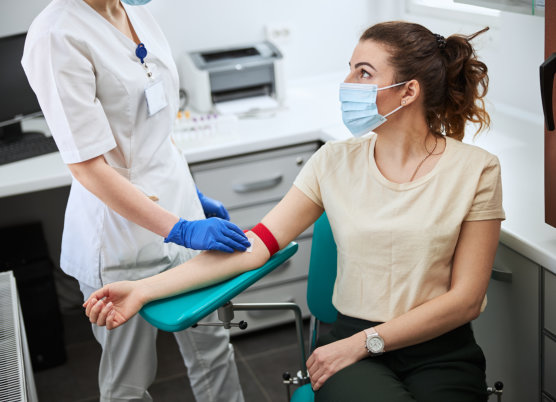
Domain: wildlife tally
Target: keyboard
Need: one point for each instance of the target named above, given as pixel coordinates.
(25, 147)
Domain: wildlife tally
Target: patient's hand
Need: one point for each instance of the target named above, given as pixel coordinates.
(114, 304)
(327, 360)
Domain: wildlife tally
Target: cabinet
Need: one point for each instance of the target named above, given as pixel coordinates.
(249, 186)
(549, 336)
(509, 329)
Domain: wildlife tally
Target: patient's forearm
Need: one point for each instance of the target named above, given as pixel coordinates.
(207, 268)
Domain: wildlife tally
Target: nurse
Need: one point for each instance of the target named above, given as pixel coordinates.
(415, 214)
(107, 83)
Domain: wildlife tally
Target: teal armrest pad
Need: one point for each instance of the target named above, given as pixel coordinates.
(182, 311)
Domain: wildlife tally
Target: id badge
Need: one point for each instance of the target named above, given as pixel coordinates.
(156, 98)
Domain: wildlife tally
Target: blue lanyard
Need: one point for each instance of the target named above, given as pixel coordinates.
(141, 53)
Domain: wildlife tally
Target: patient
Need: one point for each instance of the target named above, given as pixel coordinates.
(416, 217)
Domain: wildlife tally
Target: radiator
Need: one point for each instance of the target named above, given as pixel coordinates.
(16, 374)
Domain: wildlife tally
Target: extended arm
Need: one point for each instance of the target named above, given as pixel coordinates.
(295, 213)
(473, 259)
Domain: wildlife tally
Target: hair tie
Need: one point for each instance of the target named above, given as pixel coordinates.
(440, 41)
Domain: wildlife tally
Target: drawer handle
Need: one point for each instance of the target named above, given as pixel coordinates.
(501, 275)
(266, 313)
(258, 185)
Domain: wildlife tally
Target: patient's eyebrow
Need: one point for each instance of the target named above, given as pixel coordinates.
(363, 63)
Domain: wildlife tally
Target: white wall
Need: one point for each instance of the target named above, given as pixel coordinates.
(323, 32)
(513, 50)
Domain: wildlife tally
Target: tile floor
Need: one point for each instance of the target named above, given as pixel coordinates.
(261, 358)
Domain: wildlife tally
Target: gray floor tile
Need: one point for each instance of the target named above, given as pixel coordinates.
(261, 359)
(270, 366)
(253, 391)
(262, 341)
(75, 380)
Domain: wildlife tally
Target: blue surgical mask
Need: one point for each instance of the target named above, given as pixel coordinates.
(359, 110)
(136, 2)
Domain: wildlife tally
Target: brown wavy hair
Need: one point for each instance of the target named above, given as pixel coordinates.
(452, 79)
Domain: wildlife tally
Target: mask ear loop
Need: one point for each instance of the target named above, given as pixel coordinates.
(395, 110)
(403, 100)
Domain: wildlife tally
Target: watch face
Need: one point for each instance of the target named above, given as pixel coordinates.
(375, 344)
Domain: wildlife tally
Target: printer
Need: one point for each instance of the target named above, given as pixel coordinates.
(214, 76)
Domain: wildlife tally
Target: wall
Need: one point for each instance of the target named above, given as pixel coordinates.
(323, 32)
(513, 50)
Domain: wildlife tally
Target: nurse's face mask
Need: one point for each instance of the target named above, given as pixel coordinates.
(136, 2)
(359, 109)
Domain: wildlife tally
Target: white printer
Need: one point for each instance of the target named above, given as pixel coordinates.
(214, 76)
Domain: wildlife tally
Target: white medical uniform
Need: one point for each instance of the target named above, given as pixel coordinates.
(91, 88)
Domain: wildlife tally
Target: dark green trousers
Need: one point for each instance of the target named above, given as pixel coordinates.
(450, 368)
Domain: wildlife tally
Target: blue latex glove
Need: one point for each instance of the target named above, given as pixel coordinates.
(208, 234)
(213, 208)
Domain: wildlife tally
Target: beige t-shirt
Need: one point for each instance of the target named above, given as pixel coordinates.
(396, 241)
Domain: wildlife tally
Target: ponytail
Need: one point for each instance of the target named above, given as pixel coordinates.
(453, 80)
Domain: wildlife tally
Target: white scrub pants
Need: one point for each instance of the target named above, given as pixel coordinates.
(128, 362)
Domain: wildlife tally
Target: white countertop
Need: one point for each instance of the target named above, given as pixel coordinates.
(312, 113)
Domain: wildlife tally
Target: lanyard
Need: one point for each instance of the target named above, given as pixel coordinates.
(141, 53)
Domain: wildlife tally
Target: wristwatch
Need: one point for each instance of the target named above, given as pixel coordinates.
(374, 342)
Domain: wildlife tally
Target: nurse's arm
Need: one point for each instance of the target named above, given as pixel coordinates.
(287, 220)
(121, 196)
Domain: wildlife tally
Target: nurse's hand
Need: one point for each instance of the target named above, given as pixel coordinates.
(208, 234)
(114, 304)
(212, 207)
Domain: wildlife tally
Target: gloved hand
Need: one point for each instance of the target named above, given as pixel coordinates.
(208, 234)
(213, 207)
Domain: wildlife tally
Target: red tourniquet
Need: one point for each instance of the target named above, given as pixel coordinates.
(267, 238)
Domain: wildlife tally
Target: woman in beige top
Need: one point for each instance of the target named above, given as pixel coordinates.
(416, 217)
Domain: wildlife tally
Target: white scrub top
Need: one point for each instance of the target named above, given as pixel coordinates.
(91, 88)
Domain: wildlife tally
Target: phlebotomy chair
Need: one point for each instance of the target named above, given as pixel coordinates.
(185, 310)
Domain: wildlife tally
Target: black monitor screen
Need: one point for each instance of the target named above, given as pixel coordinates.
(17, 99)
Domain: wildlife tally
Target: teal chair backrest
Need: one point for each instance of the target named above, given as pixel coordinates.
(322, 272)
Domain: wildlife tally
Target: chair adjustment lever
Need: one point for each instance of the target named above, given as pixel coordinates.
(241, 325)
(226, 315)
(497, 390)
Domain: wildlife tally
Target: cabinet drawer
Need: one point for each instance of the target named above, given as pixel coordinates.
(511, 318)
(295, 292)
(248, 217)
(549, 365)
(550, 301)
(252, 179)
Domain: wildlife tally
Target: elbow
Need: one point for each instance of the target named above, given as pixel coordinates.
(80, 170)
(472, 310)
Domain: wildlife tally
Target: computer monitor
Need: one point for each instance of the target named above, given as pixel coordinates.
(17, 100)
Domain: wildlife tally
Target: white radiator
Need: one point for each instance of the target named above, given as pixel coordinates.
(16, 374)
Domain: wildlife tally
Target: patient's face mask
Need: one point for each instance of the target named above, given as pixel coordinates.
(136, 2)
(359, 110)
